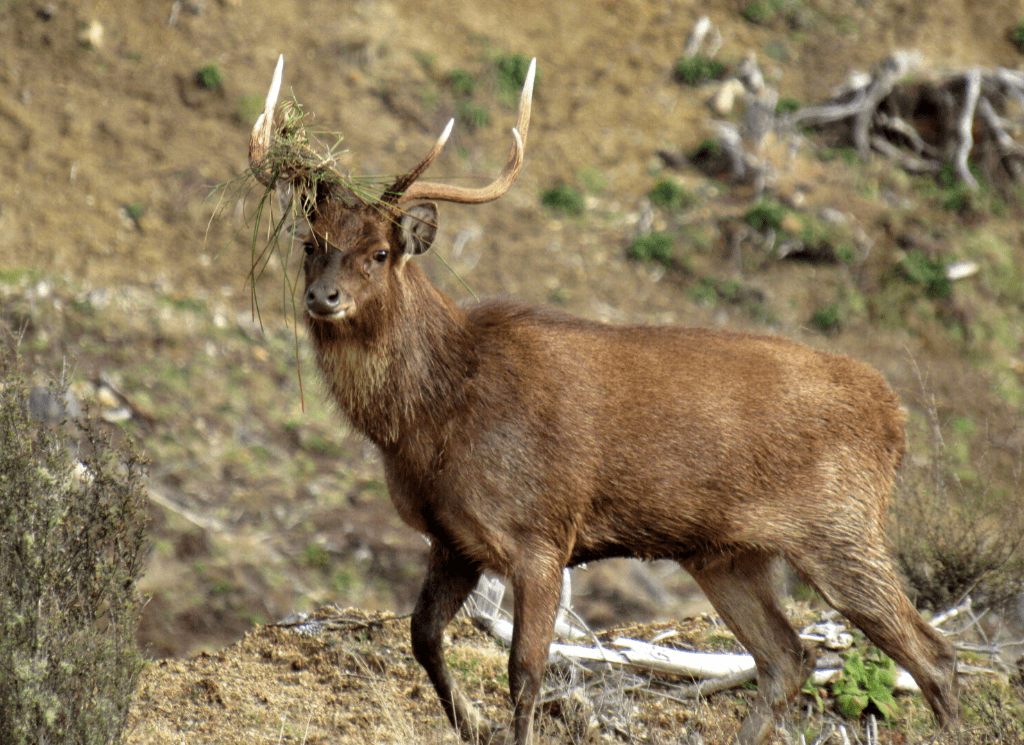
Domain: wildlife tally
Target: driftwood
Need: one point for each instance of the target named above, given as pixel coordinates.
(716, 671)
(923, 120)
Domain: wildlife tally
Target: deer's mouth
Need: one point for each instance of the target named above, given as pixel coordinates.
(333, 315)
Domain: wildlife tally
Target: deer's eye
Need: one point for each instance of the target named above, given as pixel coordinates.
(309, 247)
(380, 256)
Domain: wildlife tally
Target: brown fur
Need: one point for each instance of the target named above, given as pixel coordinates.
(523, 440)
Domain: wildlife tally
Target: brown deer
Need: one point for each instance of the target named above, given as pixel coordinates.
(522, 440)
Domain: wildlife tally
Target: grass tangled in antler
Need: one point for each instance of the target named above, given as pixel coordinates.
(299, 168)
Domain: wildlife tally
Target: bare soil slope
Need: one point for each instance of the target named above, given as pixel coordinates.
(118, 265)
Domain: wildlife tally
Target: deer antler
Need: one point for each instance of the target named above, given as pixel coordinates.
(259, 141)
(406, 188)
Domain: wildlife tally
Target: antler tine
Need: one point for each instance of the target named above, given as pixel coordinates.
(407, 189)
(393, 195)
(262, 132)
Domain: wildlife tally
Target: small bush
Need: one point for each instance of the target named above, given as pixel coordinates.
(953, 536)
(828, 320)
(564, 198)
(760, 12)
(1017, 36)
(474, 116)
(71, 551)
(787, 106)
(765, 214)
(210, 78)
(512, 69)
(461, 82)
(707, 149)
(928, 273)
(652, 247)
(848, 155)
(667, 193)
(697, 70)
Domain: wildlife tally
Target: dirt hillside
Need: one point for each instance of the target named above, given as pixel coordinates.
(123, 264)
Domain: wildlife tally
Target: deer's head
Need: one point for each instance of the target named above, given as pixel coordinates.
(356, 249)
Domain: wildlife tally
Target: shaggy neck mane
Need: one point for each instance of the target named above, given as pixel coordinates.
(397, 371)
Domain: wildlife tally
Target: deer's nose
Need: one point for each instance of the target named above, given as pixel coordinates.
(324, 301)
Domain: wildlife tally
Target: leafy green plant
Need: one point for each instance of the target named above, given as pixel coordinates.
(669, 194)
(765, 214)
(135, 212)
(564, 198)
(814, 691)
(461, 82)
(829, 319)
(848, 155)
(787, 106)
(929, 273)
(210, 78)
(652, 247)
(697, 70)
(1017, 36)
(761, 12)
(72, 548)
(708, 148)
(866, 681)
(473, 115)
(512, 69)
(318, 557)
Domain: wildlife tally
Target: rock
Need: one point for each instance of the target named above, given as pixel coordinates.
(47, 408)
(724, 100)
(91, 37)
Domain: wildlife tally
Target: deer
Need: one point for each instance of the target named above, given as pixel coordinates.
(522, 440)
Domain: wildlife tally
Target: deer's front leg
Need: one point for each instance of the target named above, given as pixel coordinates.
(449, 582)
(537, 588)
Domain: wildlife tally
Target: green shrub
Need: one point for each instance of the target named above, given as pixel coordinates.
(697, 70)
(829, 319)
(707, 149)
(512, 69)
(461, 82)
(564, 198)
(787, 106)
(765, 214)
(473, 115)
(928, 273)
(1017, 36)
(71, 551)
(759, 12)
(210, 78)
(652, 247)
(667, 193)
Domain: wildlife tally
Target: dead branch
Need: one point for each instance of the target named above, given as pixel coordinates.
(1011, 154)
(963, 128)
(870, 107)
(886, 76)
(702, 30)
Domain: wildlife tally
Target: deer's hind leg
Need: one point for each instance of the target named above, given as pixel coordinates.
(744, 586)
(858, 579)
(448, 583)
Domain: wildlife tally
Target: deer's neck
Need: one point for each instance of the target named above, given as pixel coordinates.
(400, 371)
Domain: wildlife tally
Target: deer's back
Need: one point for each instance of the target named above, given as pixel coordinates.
(626, 438)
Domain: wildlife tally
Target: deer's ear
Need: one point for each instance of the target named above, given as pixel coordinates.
(419, 227)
